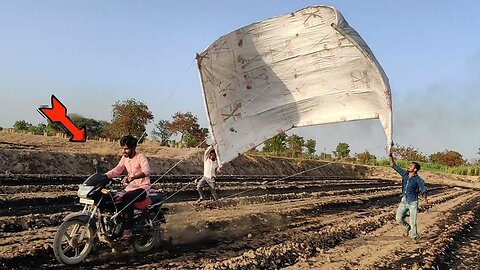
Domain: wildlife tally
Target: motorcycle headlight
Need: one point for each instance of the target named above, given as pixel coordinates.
(84, 190)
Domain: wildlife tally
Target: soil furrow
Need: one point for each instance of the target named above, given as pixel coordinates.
(324, 234)
(383, 247)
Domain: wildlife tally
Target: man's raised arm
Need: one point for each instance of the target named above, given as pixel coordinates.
(392, 161)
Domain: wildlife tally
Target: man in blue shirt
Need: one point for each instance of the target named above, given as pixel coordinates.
(412, 186)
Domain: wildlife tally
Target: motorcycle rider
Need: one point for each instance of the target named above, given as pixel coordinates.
(137, 179)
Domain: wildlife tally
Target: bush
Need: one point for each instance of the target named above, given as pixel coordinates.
(448, 158)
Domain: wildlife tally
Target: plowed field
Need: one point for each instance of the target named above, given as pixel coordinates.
(298, 223)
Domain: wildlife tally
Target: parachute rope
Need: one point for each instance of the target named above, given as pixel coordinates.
(293, 175)
(177, 83)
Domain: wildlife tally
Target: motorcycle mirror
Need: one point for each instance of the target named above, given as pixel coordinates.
(95, 163)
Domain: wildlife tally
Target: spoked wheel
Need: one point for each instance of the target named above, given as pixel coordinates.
(73, 242)
(146, 241)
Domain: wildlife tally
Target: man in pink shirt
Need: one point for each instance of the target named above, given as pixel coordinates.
(138, 179)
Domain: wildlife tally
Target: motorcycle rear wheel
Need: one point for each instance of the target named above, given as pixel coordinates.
(145, 242)
(73, 242)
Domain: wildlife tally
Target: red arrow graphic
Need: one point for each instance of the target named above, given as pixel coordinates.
(58, 114)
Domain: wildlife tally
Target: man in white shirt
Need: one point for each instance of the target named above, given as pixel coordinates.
(210, 165)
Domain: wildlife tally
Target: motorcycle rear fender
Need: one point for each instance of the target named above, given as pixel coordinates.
(82, 217)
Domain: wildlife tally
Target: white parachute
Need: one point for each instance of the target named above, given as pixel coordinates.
(300, 69)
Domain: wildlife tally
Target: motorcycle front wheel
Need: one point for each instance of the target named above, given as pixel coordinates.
(73, 242)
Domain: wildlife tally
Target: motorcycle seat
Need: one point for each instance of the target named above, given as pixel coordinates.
(157, 197)
(141, 205)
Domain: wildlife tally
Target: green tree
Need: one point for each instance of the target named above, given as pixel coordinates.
(129, 117)
(365, 157)
(195, 138)
(200, 135)
(408, 153)
(342, 151)
(162, 131)
(21, 125)
(41, 128)
(310, 146)
(448, 158)
(184, 123)
(94, 128)
(53, 128)
(276, 144)
(189, 140)
(325, 156)
(295, 145)
(38, 129)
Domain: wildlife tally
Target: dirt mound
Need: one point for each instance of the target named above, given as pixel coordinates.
(61, 144)
(35, 154)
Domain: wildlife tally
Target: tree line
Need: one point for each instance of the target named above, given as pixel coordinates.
(296, 146)
(131, 117)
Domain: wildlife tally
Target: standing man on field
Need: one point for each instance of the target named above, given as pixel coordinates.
(412, 186)
(210, 165)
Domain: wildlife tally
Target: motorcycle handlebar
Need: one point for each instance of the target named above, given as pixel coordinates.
(117, 180)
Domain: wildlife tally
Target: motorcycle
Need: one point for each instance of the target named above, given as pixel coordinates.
(101, 220)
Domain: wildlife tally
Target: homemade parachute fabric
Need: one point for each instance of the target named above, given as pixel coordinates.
(300, 69)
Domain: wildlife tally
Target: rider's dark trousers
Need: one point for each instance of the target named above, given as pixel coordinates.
(132, 195)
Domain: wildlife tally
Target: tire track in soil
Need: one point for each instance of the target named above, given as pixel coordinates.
(168, 180)
(13, 201)
(54, 202)
(439, 249)
(31, 221)
(15, 224)
(269, 250)
(34, 203)
(464, 255)
(264, 221)
(22, 235)
(48, 203)
(7, 190)
(313, 240)
(386, 248)
(173, 252)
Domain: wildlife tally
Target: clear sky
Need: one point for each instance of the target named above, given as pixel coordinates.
(90, 54)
